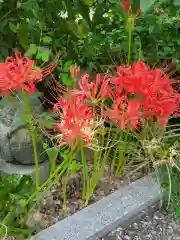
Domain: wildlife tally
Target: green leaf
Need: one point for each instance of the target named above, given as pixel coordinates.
(23, 35)
(135, 6)
(31, 8)
(65, 154)
(43, 54)
(146, 4)
(26, 187)
(66, 80)
(177, 3)
(1, 59)
(31, 50)
(84, 10)
(178, 42)
(36, 67)
(9, 183)
(117, 8)
(74, 167)
(43, 115)
(69, 9)
(52, 153)
(83, 28)
(47, 121)
(67, 66)
(13, 27)
(47, 40)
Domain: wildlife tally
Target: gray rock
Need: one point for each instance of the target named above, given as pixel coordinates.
(15, 143)
(5, 152)
(9, 168)
(21, 148)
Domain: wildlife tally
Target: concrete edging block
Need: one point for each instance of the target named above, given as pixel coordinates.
(107, 214)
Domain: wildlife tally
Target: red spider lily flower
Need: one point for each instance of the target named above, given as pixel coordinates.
(150, 87)
(76, 121)
(126, 113)
(62, 102)
(161, 106)
(126, 5)
(75, 71)
(97, 90)
(130, 79)
(18, 73)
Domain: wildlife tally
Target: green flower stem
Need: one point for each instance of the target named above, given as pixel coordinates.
(65, 183)
(95, 163)
(35, 194)
(130, 30)
(96, 153)
(113, 163)
(74, 82)
(33, 137)
(100, 167)
(121, 156)
(66, 179)
(62, 168)
(85, 172)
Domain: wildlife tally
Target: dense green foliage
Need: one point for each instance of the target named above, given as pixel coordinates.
(91, 33)
(15, 189)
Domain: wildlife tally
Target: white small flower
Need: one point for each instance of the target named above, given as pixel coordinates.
(63, 14)
(78, 17)
(91, 13)
(105, 15)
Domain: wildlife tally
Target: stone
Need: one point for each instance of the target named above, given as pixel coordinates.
(9, 168)
(4, 142)
(21, 147)
(15, 143)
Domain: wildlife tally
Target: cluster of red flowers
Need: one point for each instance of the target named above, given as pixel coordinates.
(137, 92)
(141, 92)
(18, 73)
(76, 120)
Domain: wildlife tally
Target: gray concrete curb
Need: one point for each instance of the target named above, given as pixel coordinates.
(107, 214)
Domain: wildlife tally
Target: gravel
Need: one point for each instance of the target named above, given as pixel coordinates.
(153, 224)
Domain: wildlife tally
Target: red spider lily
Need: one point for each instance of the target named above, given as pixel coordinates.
(18, 73)
(75, 71)
(97, 90)
(161, 107)
(150, 87)
(126, 5)
(126, 113)
(76, 120)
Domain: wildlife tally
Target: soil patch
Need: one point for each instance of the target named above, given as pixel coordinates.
(50, 210)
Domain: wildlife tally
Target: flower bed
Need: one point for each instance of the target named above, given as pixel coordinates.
(51, 209)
